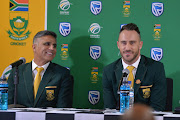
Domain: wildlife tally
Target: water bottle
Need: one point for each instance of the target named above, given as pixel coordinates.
(124, 95)
(131, 99)
(3, 94)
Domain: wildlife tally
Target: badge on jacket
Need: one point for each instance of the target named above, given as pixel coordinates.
(50, 93)
(146, 92)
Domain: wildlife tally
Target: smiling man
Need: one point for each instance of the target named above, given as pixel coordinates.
(146, 77)
(41, 82)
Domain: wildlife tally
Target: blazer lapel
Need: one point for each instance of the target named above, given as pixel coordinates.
(118, 73)
(45, 80)
(141, 71)
(28, 80)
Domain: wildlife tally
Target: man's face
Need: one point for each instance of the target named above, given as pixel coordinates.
(44, 49)
(129, 45)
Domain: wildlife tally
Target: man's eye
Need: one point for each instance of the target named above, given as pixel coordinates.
(54, 45)
(47, 43)
(132, 42)
(123, 42)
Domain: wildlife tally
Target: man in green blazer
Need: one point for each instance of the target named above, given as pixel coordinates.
(149, 75)
(55, 87)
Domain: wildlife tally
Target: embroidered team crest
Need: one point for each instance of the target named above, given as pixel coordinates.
(157, 8)
(94, 97)
(95, 52)
(156, 54)
(50, 95)
(146, 92)
(95, 7)
(64, 28)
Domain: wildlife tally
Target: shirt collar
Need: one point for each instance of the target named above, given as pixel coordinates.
(34, 65)
(134, 64)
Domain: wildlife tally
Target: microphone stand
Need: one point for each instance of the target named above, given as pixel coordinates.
(16, 82)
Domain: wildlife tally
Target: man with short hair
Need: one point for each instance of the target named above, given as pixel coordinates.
(146, 77)
(41, 82)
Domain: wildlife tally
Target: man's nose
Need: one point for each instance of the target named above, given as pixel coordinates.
(52, 47)
(128, 46)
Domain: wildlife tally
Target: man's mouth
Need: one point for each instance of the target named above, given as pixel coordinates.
(49, 53)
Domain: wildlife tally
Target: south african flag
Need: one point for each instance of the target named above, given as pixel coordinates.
(18, 5)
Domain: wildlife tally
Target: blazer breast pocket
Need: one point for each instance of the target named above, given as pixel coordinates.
(146, 90)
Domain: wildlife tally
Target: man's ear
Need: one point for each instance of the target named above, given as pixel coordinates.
(118, 44)
(33, 47)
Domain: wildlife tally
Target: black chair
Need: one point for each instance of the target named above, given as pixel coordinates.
(169, 94)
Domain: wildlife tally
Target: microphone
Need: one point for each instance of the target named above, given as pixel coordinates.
(21, 60)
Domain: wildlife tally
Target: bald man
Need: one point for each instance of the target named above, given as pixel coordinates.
(139, 112)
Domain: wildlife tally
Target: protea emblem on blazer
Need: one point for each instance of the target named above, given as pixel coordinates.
(50, 95)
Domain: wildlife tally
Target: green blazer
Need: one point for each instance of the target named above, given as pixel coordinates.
(149, 84)
(55, 89)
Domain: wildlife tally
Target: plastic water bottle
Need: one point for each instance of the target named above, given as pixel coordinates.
(124, 95)
(131, 99)
(3, 94)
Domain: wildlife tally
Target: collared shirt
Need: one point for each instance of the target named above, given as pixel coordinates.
(134, 64)
(34, 71)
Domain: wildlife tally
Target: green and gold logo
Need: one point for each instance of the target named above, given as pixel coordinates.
(146, 92)
(50, 95)
(64, 52)
(126, 8)
(94, 75)
(18, 23)
(157, 32)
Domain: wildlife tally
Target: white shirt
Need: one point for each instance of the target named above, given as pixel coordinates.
(34, 71)
(134, 64)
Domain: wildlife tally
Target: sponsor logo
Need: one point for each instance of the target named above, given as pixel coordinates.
(95, 28)
(94, 75)
(157, 31)
(64, 52)
(64, 28)
(156, 53)
(157, 8)
(95, 7)
(126, 8)
(64, 5)
(94, 97)
(95, 52)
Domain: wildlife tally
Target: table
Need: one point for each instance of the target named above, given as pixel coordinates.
(72, 114)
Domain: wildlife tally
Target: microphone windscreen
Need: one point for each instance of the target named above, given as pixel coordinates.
(23, 59)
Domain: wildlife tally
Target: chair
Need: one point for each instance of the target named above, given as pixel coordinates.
(169, 94)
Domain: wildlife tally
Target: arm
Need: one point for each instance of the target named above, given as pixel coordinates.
(159, 89)
(108, 95)
(65, 96)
